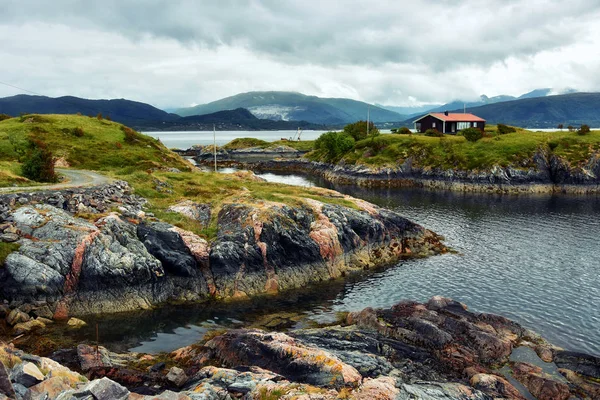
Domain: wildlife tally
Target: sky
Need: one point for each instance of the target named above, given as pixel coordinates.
(174, 53)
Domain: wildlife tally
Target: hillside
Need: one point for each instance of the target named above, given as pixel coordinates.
(239, 119)
(290, 106)
(539, 112)
(124, 111)
(544, 112)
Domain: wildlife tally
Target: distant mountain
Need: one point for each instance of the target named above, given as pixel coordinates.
(239, 119)
(125, 111)
(291, 106)
(541, 112)
(483, 100)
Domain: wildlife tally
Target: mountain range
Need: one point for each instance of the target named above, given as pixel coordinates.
(411, 111)
(288, 111)
(540, 112)
(292, 106)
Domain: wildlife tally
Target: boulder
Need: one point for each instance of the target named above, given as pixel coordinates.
(584, 364)
(76, 323)
(50, 388)
(6, 387)
(102, 389)
(26, 374)
(177, 377)
(192, 210)
(17, 316)
(25, 327)
(282, 354)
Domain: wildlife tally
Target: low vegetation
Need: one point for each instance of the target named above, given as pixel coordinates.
(148, 166)
(498, 145)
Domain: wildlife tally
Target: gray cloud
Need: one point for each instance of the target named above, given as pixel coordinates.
(178, 52)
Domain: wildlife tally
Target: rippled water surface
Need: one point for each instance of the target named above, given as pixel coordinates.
(534, 259)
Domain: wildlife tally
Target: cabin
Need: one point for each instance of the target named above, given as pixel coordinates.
(448, 122)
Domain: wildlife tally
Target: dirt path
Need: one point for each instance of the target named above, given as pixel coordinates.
(76, 178)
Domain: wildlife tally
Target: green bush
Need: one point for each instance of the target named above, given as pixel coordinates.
(38, 164)
(358, 130)
(334, 145)
(403, 131)
(583, 130)
(434, 133)
(504, 129)
(472, 134)
(78, 132)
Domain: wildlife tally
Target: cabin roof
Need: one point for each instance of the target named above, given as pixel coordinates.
(454, 117)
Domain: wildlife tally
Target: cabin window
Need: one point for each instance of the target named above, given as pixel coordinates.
(474, 124)
(418, 126)
(433, 124)
(463, 125)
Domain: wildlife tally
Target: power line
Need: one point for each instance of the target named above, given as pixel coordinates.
(95, 110)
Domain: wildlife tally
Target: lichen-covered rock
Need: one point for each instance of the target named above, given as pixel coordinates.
(284, 355)
(541, 385)
(26, 374)
(192, 210)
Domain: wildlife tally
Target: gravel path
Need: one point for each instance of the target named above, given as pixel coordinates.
(76, 178)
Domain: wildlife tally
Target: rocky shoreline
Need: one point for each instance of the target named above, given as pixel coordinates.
(437, 350)
(544, 173)
(113, 257)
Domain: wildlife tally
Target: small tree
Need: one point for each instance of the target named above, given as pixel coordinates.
(99, 116)
(404, 131)
(570, 128)
(472, 134)
(560, 126)
(38, 164)
(334, 145)
(583, 130)
(358, 130)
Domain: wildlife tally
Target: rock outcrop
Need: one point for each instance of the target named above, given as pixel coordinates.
(128, 261)
(543, 173)
(438, 350)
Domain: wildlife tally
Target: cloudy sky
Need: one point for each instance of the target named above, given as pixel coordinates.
(173, 53)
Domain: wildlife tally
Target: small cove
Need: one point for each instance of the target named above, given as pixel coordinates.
(534, 259)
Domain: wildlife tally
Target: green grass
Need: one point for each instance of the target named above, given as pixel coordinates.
(244, 143)
(102, 147)
(6, 249)
(455, 152)
(142, 160)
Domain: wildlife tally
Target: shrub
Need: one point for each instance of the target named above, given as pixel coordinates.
(130, 134)
(119, 145)
(4, 116)
(472, 134)
(570, 128)
(504, 129)
(99, 116)
(583, 130)
(77, 132)
(434, 133)
(358, 130)
(403, 131)
(560, 126)
(333, 145)
(38, 164)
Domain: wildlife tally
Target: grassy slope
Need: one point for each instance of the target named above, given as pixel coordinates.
(456, 152)
(141, 162)
(244, 143)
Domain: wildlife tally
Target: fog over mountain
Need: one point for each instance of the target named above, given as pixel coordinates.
(178, 54)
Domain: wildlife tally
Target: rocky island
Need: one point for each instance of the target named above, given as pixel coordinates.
(517, 161)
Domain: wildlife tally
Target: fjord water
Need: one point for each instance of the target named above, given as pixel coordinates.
(534, 259)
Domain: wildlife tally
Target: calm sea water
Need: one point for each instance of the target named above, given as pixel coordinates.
(185, 140)
(535, 259)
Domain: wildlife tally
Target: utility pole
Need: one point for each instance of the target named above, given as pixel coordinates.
(368, 112)
(215, 145)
